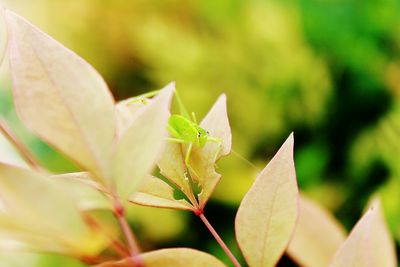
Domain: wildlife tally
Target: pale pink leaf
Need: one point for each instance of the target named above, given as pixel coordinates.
(156, 193)
(28, 197)
(317, 237)
(369, 243)
(140, 145)
(172, 257)
(203, 159)
(267, 215)
(172, 166)
(61, 97)
(9, 155)
(124, 112)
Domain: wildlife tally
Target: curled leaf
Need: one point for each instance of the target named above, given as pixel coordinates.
(267, 215)
(139, 147)
(369, 243)
(173, 257)
(60, 97)
(154, 192)
(317, 236)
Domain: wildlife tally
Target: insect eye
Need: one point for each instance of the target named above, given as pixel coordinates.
(198, 134)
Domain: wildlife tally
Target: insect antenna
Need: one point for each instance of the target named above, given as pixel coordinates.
(245, 160)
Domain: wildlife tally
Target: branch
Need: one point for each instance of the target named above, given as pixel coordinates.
(219, 240)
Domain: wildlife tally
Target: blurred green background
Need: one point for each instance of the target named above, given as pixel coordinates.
(329, 70)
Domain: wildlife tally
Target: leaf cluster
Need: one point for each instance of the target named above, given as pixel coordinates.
(62, 99)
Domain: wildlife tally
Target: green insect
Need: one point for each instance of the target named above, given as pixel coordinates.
(184, 129)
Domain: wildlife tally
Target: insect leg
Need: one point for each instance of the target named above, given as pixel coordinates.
(181, 106)
(219, 148)
(188, 152)
(214, 139)
(143, 97)
(194, 117)
(175, 140)
(187, 159)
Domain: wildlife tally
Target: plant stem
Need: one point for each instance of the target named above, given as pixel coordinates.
(129, 236)
(219, 240)
(117, 246)
(23, 151)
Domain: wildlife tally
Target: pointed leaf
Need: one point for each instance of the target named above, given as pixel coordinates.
(172, 257)
(9, 155)
(141, 144)
(29, 197)
(60, 96)
(267, 215)
(369, 243)
(317, 237)
(203, 159)
(125, 111)
(156, 193)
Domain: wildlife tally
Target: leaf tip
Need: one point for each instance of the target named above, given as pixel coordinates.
(170, 86)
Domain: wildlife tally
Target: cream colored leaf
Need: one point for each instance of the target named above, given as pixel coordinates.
(172, 166)
(317, 236)
(217, 124)
(141, 144)
(60, 96)
(18, 259)
(203, 159)
(9, 155)
(125, 112)
(172, 257)
(267, 215)
(17, 236)
(37, 204)
(156, 193)
(86, 192)
(369, 243)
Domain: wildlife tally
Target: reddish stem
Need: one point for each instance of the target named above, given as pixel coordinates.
(130, 238)
(219, 239)
(23, 151)
(118, 247)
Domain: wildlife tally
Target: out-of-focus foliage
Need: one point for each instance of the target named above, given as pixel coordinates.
(328, 70)
(369, 243)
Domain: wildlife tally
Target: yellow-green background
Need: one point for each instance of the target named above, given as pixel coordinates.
(329, 70)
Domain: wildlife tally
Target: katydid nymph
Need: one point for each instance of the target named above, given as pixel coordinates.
(184, 129)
